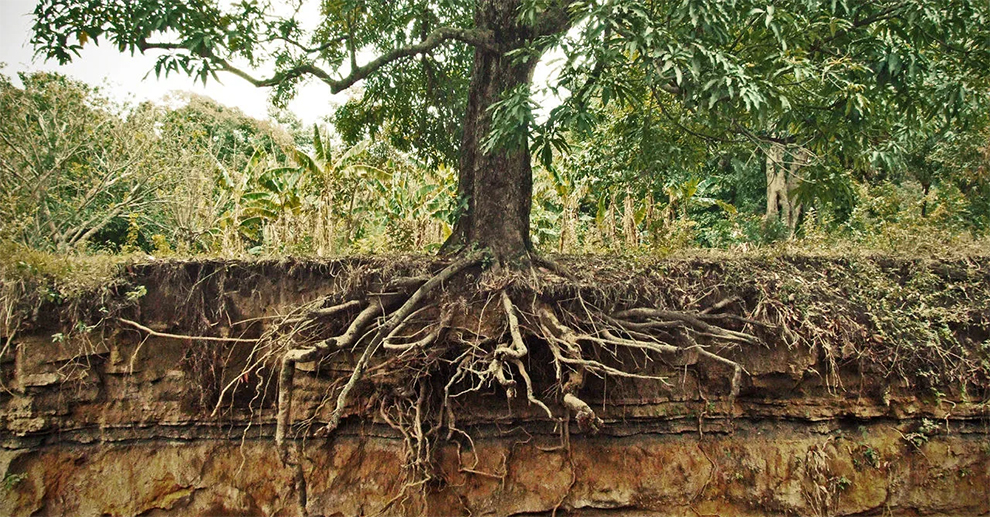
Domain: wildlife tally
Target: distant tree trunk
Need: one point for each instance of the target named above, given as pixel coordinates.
(926, 187)
(608, 224)
(568, 222)
(783, 165)
(496, 186)
(629, 231)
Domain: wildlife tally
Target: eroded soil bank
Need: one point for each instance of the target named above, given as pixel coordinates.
(846, 406)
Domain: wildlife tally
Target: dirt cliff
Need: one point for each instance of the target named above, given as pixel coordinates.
(834, 416)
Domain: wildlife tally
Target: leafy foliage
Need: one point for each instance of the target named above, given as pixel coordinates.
(663, 137)
(71, 167)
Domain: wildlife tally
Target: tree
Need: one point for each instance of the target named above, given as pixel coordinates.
(818, 73)
(371, 196)
(71, 165)
(216, 155)
(202, 40)
(452, 80)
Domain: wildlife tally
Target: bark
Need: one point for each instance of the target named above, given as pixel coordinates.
(629, 231)
(783, 166)
(496, 187)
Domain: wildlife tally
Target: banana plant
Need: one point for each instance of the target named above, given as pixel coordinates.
(278, 191)
(233, 201)
(411, 199)
(341, 185)
(689, 193)
(562, 207)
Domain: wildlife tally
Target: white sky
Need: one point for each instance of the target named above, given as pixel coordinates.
(124, 78)
(124, 75)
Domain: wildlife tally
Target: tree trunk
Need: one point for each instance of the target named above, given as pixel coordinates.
(495, 187)
(783, 166)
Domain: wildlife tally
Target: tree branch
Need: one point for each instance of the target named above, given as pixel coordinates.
(309, 50)
(886, 14)
(435, 39)
(553, 20)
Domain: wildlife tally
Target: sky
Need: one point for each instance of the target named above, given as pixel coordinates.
(131, 78)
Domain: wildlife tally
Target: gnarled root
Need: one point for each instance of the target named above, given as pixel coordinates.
(514, 353)
(314, 353)
(394, 320)
(349, 339)
(585, 416)
(688, 329)
(564, 345)
(658, 331)
(472, 343)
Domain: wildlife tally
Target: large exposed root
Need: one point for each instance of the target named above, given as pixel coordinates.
(688, 329)
(348, 339)
(378, 306)
(514, 353)
(314, 353)
(585, 416)
(397, 318)
(425, 344)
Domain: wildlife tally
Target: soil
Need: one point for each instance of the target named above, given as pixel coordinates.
(816, 386)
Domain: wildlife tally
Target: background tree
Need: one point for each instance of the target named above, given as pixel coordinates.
(72, 168)
(201, 39)
(216, 155)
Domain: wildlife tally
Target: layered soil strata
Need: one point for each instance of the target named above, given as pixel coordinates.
(117, 421)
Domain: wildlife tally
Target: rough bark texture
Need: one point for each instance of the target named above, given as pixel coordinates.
(497, 186)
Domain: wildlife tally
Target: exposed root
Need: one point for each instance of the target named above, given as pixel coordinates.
(559, 335)
(293, 357)
(425, 335)
(397, 318)
(348, 340)
(185, 336)
(585, 416)
(686, 328)
(693, 322)
(431, 337)
(515, 353)
(326, 312)
(518, 349)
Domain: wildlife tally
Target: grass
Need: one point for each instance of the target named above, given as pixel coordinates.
(913, 303)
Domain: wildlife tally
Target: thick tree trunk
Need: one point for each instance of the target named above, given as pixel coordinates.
(496, 187)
